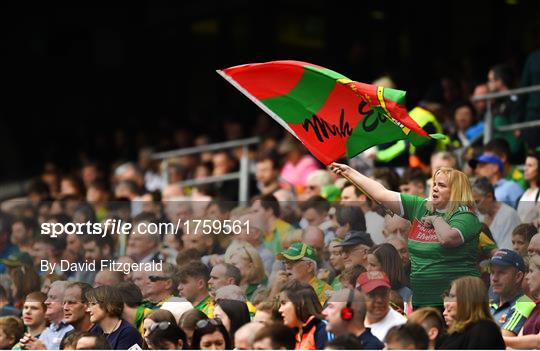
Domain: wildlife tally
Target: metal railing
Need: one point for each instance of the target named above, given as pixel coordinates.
(242, 175)
(488, 129)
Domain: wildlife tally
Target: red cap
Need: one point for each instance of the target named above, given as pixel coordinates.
(368, 281)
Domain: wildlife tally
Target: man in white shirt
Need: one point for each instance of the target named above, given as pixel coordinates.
(498, 216)
(379, 317)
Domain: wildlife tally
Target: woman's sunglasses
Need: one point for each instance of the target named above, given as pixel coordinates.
(203, 323)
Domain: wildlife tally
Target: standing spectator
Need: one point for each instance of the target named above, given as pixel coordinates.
(470, 324)
(492, 167)
(443, 241)
(106, 305)
(511, 307)
(498, 216)
(301, 265)
(11, 330)
(379, 317)
(210, 334)
(233, 314)
(526, 208)
(300, 309)
(345, 313)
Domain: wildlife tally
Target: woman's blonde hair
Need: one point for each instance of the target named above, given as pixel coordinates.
(472, 303)
(247, 251)
(460, 190)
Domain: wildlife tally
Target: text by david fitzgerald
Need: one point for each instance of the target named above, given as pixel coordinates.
(103, 265)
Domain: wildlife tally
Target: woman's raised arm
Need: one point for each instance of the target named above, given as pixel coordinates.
(379, 193)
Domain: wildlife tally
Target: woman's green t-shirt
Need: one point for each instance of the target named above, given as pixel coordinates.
(433, 267)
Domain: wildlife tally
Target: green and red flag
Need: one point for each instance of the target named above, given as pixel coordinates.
(330, 114)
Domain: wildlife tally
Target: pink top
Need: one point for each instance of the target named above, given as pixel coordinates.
(297, 174)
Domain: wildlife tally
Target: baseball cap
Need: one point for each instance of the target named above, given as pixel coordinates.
(354, 238)
(369, 281)
(18, 259)
(487, 158)
(506, 257)
(297, 251)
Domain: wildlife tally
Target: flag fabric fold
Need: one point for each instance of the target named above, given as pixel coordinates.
(330, 114)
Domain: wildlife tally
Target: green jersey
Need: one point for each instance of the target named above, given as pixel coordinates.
(433, 265)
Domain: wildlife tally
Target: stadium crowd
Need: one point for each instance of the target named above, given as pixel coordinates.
(439, 250)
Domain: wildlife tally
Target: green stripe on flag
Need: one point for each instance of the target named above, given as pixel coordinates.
(306, 98)
(394, 95)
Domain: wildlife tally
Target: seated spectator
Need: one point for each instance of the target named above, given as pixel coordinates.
(492, 167)
(433, 323)
(355, 247)
(6, 309)
(408, 336)
(386, 258)
(69, 342)
(160, 319)
(413, 182)
(247, 259)
(233, 314)
(166, 336)
(221, 275)
(529, 336)
(336, 262)
(193, 286)
(210, 334)
(349, 276)
(345, 313)
(316, 181)
(301, 265)
(106, 305)
(511, 307)
(11, 330)
(534, 246)
(380, 317)
(134, 310)
(252, 232)
(265, 313)
(268, 206)
(188, 321)
(470, 323)
(351, 218)
(301, 310)
(373, 222)
(34, 313)
(343, 342)
(91, 341)
(526, 207)
(501, 218)
(521, 237)
(274, 337)
(243, 338)
(157, 286)
(111, 278)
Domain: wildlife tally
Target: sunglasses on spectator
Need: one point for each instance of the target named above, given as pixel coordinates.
(156, 278)
(203, 323)
(160, 325)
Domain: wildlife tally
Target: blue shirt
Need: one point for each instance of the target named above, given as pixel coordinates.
(508, 192)
(370, 341)
(53, 335)
(122, 338)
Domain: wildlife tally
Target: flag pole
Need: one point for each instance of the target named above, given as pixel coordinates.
(386, 209)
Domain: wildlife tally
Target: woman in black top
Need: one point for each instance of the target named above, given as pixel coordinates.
(470, 324)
